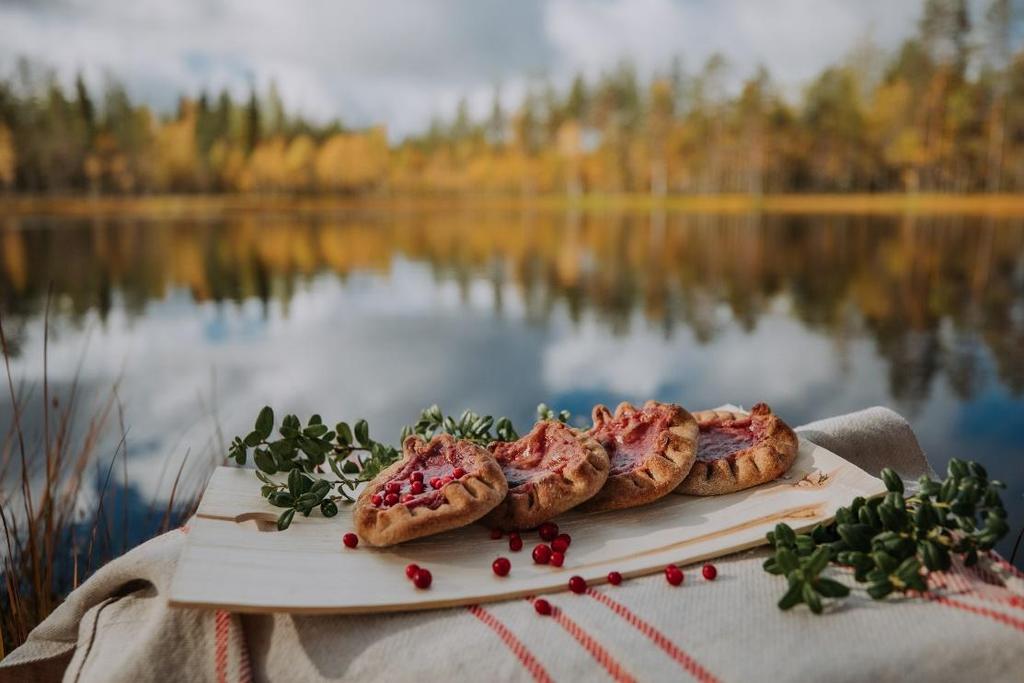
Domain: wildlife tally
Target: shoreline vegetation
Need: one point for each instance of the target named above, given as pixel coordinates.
(187, 205)
(67, 506)
(943, 112)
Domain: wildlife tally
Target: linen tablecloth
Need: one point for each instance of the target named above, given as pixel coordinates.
(118, 627)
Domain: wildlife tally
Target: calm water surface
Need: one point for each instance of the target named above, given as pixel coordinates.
(378, 315)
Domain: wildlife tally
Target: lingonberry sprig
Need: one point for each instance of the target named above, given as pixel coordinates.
(893, 541)
(350, 453)
(546, 413)
(480, 429)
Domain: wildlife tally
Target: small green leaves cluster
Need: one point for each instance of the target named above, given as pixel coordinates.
(891, 542)
(480, 429)
(546, 413)
(304, 452)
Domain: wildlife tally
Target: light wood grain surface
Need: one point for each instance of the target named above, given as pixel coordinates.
(235, 559)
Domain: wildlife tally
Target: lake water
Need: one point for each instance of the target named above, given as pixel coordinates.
(379, 314)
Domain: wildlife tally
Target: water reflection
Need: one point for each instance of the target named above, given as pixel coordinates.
(932, 293)
(379, 314)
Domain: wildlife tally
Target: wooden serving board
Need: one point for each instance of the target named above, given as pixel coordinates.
(235, 558)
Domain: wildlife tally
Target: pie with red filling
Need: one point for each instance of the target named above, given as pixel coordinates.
(737, 451)
(436, 486)
(550, 470)
(651, 450)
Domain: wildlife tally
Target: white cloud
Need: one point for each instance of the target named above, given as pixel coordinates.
(401, 62)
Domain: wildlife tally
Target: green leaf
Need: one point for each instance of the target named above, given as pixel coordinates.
(787, 560)
(315, 431)
(793, 596)
(892, 480)
(880, 589)
(264, 460)
(784, 534)
(817, 561)
(298, 483)
(856, 536)
(253, 439)
(362, 433)
(328, 508)
(831, 588)
(812, 598)
(264, 423)
(344, 433)
(285, 520)
(908, 569)
(281, 499)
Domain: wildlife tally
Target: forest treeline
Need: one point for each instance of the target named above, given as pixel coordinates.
(942, 113)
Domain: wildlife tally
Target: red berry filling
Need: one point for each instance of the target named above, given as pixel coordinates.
(549, 447)
(724, 438)
(501, 566)
(631, 436)
(441, 461)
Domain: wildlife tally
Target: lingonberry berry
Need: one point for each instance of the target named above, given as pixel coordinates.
(436, 483)
(548, 531)
(496, 533)
(614, 578)
(501, 566)
(422, 578)
(458, 472)
(515, 542)
(376, 499)
(410, 570)
(350, 540)
(391, 499)
(417, 487)
(542, 606)
(561, 542)
(674, 575)
(542, 553)
(577, 584)
(709, 571)
(557, 559)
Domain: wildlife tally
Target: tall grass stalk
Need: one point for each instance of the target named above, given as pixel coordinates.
(42, 556)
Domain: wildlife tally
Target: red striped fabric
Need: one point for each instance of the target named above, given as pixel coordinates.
(600, 655)
(975, 609)
(222, 621)
(688, 663)
(515, 645)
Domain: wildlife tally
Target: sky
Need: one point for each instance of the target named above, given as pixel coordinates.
(401, 63)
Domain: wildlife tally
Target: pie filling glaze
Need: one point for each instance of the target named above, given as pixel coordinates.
(725, 438)
(436, 463)
(630, 437)
(548, 448)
